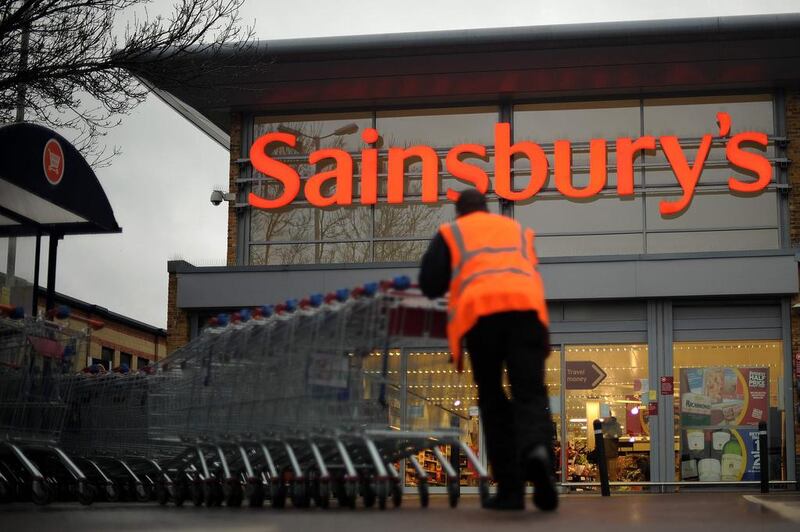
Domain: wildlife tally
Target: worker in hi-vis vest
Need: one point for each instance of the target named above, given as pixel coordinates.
(496, 305)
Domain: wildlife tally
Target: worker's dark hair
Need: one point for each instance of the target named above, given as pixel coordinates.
(470, 201)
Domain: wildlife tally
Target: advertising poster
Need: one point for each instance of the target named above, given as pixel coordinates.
(720, 409)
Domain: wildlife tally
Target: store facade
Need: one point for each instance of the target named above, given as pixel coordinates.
(653, 161)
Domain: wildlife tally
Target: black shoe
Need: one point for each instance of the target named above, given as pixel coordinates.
(496, 502)
(538, 469)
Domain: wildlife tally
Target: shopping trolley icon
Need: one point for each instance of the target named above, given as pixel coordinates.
(53, 162)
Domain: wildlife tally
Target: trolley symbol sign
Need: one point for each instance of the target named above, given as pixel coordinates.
(584, 375)
(53, 161)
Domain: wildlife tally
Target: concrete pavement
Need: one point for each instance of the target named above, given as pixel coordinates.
(682, 512)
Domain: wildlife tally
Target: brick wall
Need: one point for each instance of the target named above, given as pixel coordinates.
(793, 153)
(235, 153)
(177, 319)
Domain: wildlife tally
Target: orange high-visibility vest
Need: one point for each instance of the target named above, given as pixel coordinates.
(493, 270)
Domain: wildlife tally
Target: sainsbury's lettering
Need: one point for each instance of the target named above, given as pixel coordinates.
(339, 168)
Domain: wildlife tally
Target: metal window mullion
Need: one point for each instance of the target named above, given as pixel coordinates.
(563, 396)
(782, 177)
(666, 402)
(243, 216)
(788, 398)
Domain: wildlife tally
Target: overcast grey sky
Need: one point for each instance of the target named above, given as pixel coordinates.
(160, 185)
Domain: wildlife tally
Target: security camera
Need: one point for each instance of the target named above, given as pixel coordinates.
(216, 198)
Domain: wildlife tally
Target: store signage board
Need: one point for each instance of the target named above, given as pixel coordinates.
(584, 375)
(339, 167)
(667, 385)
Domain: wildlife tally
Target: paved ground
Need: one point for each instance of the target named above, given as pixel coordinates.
(684, 512)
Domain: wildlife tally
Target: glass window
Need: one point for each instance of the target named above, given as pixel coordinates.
(316, 131)
(697, 116)
(557, 215)
(141, 362)
(315, 253)
(586, 245)
(604, 225)
(608, 382)
(439, 397)
(439, 128)
(126, 358)
(577, 121)
(712, 241)
(723, 389)
(715, 210)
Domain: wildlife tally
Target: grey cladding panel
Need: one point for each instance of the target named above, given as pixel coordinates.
(719, 322)
(636, 310)
(695, 312)
(576, 281)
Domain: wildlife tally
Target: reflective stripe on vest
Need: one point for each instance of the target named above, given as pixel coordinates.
(465, 255)
(468, 280)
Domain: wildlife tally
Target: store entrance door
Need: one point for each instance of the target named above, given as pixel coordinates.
(608, 382)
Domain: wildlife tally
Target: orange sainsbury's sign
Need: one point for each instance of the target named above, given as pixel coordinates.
(341, 173)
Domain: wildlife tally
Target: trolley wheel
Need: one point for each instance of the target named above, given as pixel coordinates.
(142, 493)
(368, 494)
(182, 492)
(300, 496)
(40, 494)
(85, 494)
(351, 492)
(234, 494)
(162, 495)
(255, 494)
(112, 493)
(397, 494)
(212, 492)
(424, 495)
(453, 493)
(278, 495)
(340, 493)
(483, 490)
(197, 493)
(383, 493)
(323, 494)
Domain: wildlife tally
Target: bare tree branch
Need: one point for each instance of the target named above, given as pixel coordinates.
(78, 74)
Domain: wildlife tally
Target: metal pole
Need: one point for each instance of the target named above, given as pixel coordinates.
(602, 465)
(51, 271)
(11, 261)
(37, 259)
(763, 453)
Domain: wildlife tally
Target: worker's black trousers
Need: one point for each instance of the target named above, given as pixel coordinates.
(518, 342)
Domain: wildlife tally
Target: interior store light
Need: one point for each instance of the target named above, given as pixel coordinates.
(578, 420)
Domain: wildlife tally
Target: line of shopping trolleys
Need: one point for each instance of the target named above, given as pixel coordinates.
(271, 404)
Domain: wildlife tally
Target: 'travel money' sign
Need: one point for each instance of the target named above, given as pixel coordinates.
(584, 375)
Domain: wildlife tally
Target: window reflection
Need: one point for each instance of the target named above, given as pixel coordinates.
(438, 127)
(697, 116)
(577, 121)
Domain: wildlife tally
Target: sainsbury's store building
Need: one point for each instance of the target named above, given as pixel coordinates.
(653, 160)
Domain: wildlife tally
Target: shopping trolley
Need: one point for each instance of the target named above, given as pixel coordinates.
(280, 406)
(35, 387)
